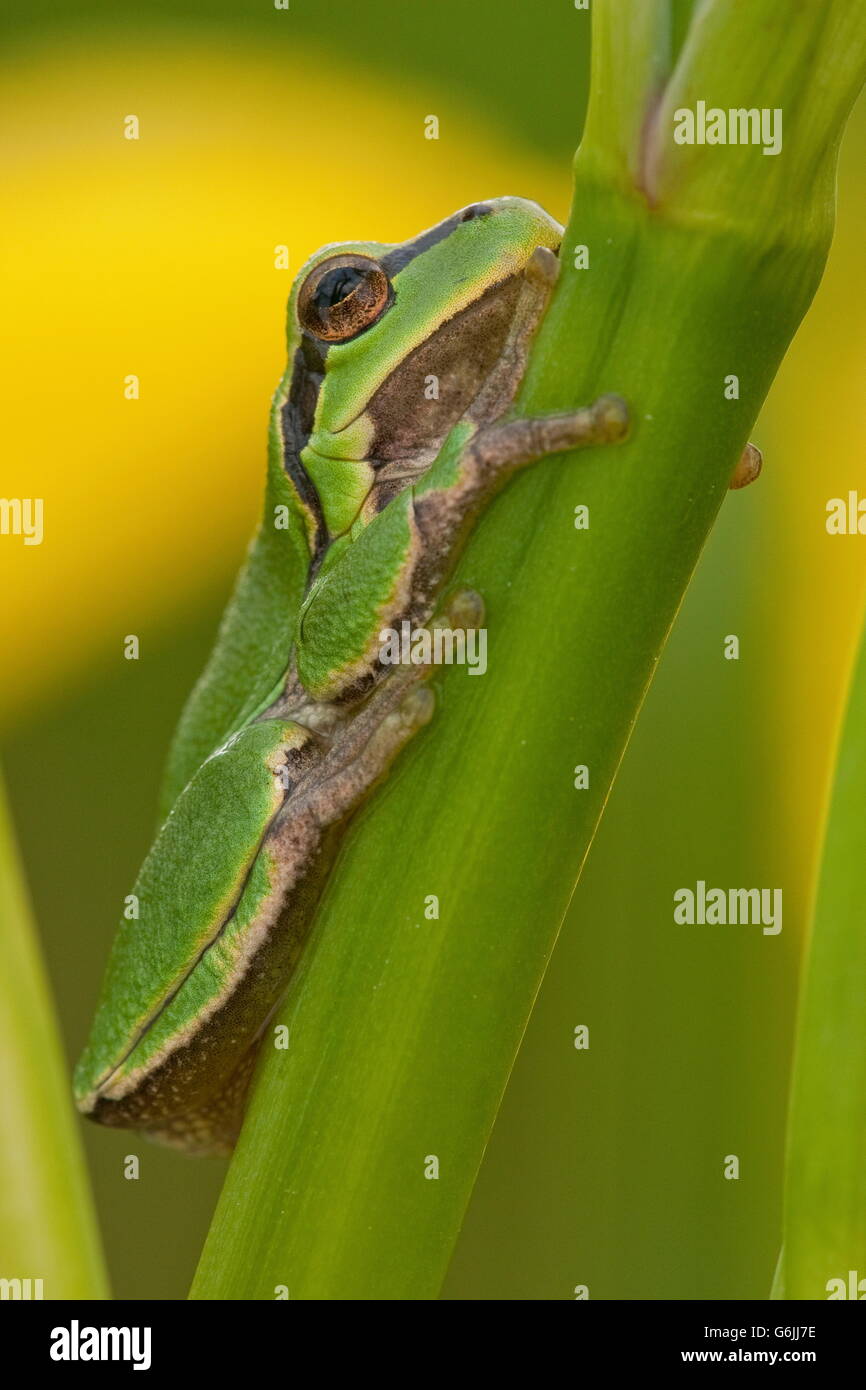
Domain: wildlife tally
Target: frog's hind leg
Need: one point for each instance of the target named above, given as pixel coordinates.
(349, 763)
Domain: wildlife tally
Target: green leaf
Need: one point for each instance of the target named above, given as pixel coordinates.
(47, 1225)
(825, 1190)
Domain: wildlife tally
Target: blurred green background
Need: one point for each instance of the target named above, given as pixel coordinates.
(262, 127)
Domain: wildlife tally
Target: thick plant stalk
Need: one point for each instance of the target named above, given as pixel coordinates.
(48, 1236)
(825, 1190)
(365, 1135)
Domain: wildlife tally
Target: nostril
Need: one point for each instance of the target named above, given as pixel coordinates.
(476, 210)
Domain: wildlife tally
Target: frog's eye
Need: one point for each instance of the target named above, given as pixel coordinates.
(342, 296)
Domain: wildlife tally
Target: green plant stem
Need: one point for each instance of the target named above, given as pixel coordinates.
(404, 1027)
(47, 1224)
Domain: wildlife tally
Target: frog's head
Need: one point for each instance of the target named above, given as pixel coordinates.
(389, 344)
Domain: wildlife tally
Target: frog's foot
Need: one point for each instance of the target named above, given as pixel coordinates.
(748, 467)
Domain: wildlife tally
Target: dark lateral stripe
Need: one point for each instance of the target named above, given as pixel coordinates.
(303, 484)
(313, 352)
(400, 257)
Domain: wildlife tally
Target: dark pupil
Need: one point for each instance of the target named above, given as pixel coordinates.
(337, 285)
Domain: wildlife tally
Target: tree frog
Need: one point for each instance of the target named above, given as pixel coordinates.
(389, 432)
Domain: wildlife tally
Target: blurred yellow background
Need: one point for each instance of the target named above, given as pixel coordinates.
(156, 257)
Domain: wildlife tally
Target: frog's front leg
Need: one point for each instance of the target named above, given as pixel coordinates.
(499, 449)
(447, 502)
(397, 565)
